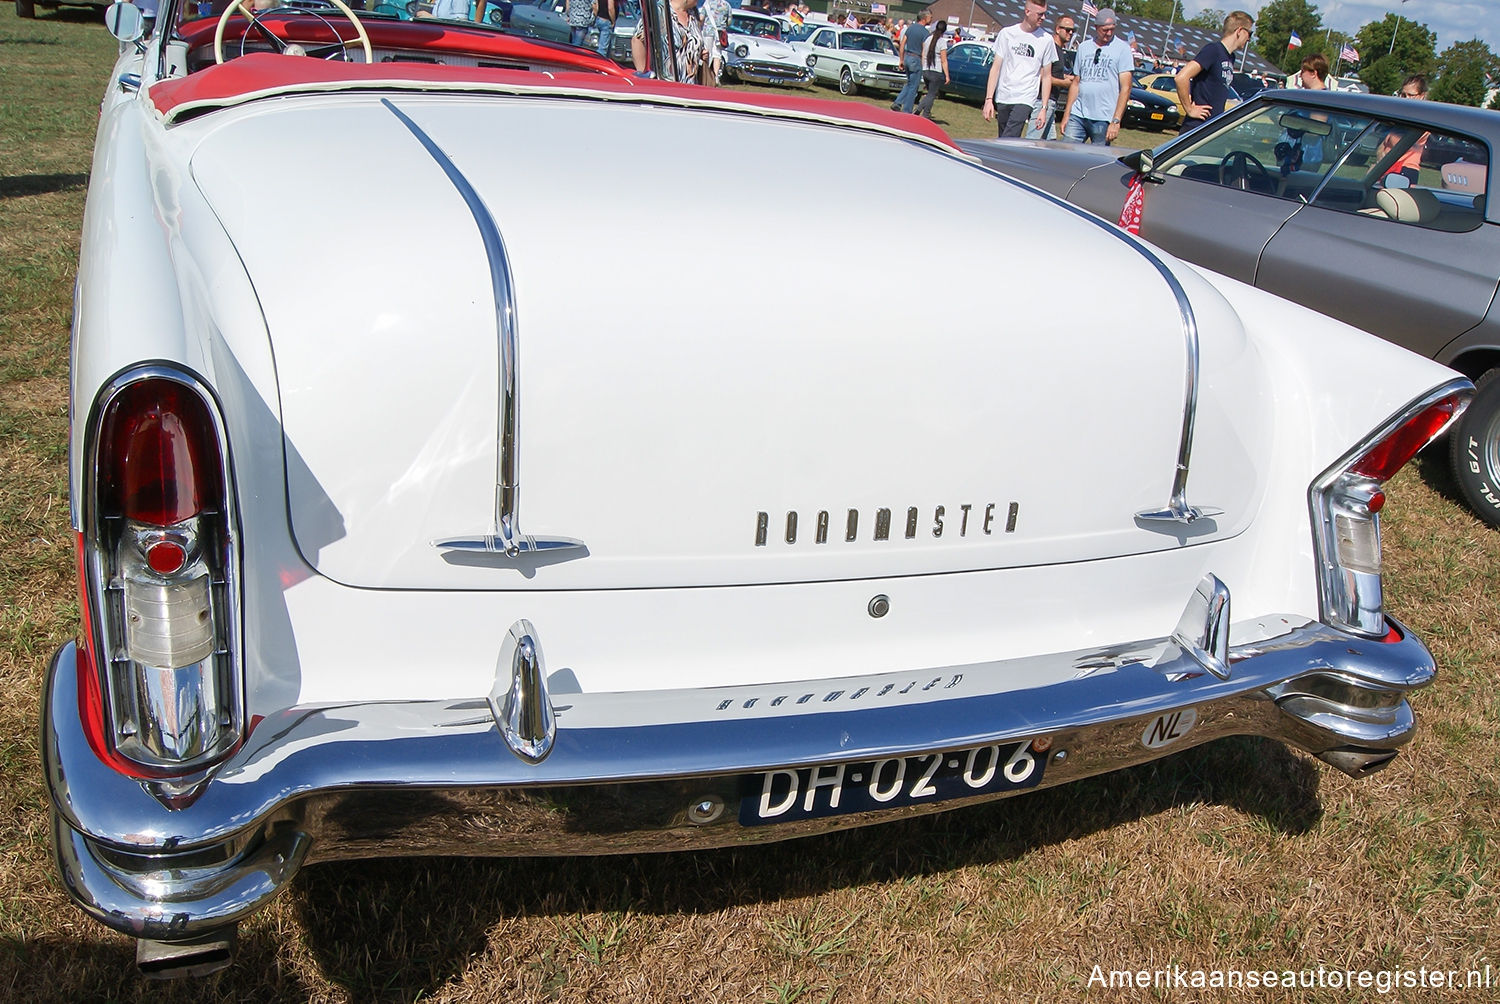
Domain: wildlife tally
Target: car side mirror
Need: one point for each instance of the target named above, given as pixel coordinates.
(125, 21)
(1143, 163)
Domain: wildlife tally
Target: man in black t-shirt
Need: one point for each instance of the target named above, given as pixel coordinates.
(1061, 72)
(1203, 84)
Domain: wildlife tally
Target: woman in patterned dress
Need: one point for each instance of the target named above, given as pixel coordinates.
(693, 42)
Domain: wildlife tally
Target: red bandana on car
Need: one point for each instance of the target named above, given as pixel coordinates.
(1135, 201)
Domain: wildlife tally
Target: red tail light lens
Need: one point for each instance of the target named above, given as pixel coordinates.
(1391, 454)
(1346, 501)
(160, 571)
(158, 462)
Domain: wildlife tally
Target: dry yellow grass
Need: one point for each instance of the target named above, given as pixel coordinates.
(1238, 855)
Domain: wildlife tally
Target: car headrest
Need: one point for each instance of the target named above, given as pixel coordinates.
(1408, 205)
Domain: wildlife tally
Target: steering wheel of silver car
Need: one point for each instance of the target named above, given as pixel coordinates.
(1245, 161)
(340, 48)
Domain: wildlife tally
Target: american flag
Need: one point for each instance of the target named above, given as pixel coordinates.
(1348, 54)
(1089, 10)
(1294, 42)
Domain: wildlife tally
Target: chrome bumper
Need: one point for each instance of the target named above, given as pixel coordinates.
(664, 771)
(772, 73)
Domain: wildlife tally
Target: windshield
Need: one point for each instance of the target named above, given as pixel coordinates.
(863, 41)
(540, 19)
(760, 27)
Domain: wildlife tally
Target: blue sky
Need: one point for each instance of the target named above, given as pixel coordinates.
(1450, 20)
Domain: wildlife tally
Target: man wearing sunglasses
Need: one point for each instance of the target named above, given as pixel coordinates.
(1203, 84)
(1102, 74)
(1053, 112)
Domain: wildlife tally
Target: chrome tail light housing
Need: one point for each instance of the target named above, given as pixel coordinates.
(163, 696)
(1346, 501)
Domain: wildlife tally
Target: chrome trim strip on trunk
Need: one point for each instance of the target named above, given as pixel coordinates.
(1177, 509)
(505, 540)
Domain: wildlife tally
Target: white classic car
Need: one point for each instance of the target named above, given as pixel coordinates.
(754, 51)
(852, 58)
(776, 571)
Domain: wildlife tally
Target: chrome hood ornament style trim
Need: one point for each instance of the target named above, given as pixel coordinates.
(505, 540)
(1203, 630)
(519, 698)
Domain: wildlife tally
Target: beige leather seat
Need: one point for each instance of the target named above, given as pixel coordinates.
(1408, 205)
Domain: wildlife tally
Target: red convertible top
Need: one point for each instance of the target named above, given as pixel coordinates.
(260, 75)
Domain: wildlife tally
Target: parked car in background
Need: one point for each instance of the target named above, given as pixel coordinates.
(1150, 110)
(775, 570)
(547, 19)
(1299, 193)
(968, 71)
(1162, 84)
(754, 51)
(853, 58)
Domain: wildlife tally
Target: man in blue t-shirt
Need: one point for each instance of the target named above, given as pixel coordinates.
(1103, 71)
(1203, 84)
(911, 62)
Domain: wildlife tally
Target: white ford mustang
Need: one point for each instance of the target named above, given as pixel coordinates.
(815, 562)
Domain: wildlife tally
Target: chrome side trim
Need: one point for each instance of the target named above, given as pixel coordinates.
(505, 539)
(519, 699)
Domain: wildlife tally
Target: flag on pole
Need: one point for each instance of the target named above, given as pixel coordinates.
(1349, 54)
(1089, 10)
(1295, 42)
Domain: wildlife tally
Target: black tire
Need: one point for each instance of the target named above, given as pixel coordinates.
(1474, 449)
(26, 8)
(847, 86)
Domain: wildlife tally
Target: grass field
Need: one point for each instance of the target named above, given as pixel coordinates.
(1239, 855)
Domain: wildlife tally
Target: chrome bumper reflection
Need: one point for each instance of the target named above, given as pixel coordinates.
(771, 73)
(645, 771)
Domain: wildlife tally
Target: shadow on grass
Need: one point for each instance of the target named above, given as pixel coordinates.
(71, 15)
(39, 184)
(1436, 471)
(102, 968)
(400, 929)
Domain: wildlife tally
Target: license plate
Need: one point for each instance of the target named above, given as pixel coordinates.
(781, 796)
(1157, 115)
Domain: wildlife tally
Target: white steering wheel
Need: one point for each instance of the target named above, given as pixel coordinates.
(359, 28)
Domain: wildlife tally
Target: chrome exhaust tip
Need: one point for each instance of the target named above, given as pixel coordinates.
(174, 960)
(1358, 763)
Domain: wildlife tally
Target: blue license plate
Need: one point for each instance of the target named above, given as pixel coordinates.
(782, 796)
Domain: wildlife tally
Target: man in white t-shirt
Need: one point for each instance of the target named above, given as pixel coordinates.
(1022, 52)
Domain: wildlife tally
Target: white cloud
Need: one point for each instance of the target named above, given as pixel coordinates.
(1451, 20)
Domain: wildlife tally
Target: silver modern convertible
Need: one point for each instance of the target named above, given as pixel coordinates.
(816, 562)
(1374, 210)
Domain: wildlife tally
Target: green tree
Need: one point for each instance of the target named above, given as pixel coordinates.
(1209, 19)
(1393, 49)
(1161, 10)
(1464, 68)
(1275, 24)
